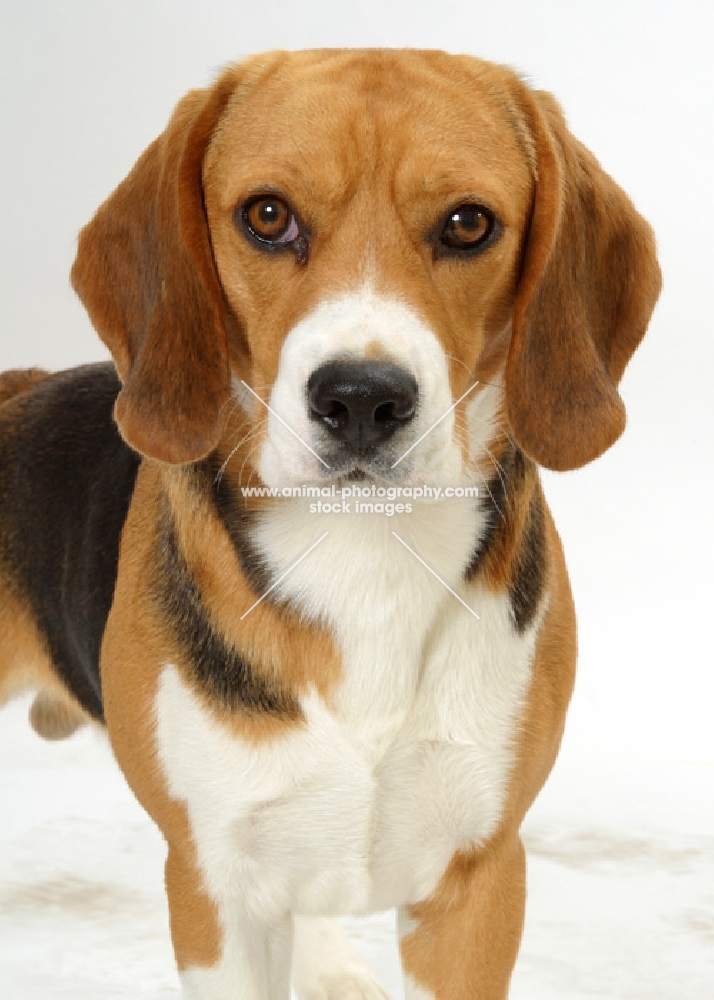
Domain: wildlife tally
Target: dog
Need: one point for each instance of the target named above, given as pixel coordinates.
(290, 548)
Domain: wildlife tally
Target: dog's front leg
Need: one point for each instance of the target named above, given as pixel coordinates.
(461, 943)
(221, 952)
(327, 967)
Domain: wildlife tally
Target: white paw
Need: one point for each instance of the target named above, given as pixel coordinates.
(358, 984)
(327, 967)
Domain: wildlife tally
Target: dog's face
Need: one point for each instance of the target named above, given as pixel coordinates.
(363, 240)
(368, 234)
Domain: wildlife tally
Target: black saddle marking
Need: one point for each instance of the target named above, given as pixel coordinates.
(66, 481)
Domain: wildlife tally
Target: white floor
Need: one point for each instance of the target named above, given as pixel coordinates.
(621, 875)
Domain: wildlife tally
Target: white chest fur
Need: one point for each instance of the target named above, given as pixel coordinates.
(363, 807)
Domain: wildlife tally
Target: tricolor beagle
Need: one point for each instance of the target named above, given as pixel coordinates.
(380, 272)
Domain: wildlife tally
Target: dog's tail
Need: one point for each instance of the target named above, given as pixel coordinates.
(54, 717)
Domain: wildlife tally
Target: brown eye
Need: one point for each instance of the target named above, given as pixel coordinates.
(270, 220)
(468, 227)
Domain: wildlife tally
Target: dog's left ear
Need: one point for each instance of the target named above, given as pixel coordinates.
(589, 282)
(145, 273)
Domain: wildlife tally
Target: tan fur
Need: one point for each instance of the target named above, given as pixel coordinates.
(468, 933)
(24, 663)
(26, 666)
(590, 281)
(161, 336)
(135, 647)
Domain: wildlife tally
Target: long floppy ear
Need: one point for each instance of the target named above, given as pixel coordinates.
(589, 283)
(144, 271)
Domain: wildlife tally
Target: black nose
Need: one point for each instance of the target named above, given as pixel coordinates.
(361, 402)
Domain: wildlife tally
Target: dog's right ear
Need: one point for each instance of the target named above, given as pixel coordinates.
(145, 273)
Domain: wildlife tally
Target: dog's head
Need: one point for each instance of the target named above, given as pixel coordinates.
(364, 239)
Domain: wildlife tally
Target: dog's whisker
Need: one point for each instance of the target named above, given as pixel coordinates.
(248, 457)
(500, 471)
(243, 440)
(230, 400)
(253, 470)
(493, 499)
(462, 363)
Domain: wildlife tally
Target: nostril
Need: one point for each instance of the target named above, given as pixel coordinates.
(394, 410)
(384, 413)
(328, 408)
(332, 413)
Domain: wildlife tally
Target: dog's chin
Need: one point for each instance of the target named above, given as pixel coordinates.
(368, 477)
(378, 469)
(368, 472)
(365, 473)
(382, 472)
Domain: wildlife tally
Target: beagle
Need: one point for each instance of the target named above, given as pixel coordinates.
(351, 274)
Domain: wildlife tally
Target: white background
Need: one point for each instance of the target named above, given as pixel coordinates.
(84, 87)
